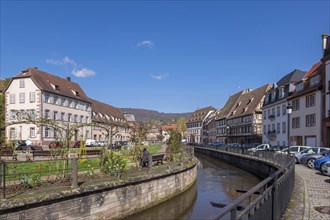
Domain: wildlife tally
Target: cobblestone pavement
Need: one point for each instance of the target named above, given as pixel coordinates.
(311, 196)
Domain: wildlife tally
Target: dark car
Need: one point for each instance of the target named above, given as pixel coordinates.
(55, 144)
(76, 144)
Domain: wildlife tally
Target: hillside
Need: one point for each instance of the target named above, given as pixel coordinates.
(148, 115)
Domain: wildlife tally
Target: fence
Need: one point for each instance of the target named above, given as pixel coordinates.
(269, 198)
(17, 176)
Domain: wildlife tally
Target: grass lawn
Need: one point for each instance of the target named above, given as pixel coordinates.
(48, 167)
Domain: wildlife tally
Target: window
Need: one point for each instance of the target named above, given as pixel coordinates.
(265, 114)
(81, 119)
(283, 109)
(32, 97)
(87, 119)
(32, 132)
(12, 133)
(281, 92)
(310, 120)
(278, 125)
(264, 129)
(12, 98)
(46, 113)
(62, 116)
(278, 109)
(13, 114)
(21, 97)
(69, 117)
(310, 100)
(295, 105)
(273, 127)
(296, 122)
(21, 83)
(268, 130)
(55, 100)
(300, 87)
(55, 115)
(46, 98)
(283, 127)
(315, 80)
(47, 132)
(75, 118)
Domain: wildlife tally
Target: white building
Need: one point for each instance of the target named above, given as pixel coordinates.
(275, 119)
(326, 82)
(110, 122)
(195, 124)
(306, 102)
(42, 95)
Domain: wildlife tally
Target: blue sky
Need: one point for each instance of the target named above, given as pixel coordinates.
(169, 56)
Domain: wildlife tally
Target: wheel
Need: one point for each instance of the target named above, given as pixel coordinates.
(322, 168)
(310, 163)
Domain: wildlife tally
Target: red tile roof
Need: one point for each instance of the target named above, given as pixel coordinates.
(105, 109)
(200, 114)
(47, 82)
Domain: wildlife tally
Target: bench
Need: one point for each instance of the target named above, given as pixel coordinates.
(94, 152)
(8, 152)
(40, 153)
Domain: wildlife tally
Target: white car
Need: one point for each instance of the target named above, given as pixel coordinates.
(260, 147)
(294, 149)
(90, 142)
(326, 168)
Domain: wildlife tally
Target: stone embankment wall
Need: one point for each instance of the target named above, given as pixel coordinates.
(257, 167)
(104, 200)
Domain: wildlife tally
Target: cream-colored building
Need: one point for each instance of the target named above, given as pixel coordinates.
(38, 94)
(110, 124)
(306, 102)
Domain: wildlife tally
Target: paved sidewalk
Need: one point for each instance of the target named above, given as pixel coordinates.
(311, 196)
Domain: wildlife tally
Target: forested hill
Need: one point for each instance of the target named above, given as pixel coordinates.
(148, 115)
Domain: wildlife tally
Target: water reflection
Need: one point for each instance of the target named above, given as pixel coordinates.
(216, 181)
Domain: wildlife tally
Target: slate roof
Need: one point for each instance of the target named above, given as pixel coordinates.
(105, 109)
(225, 111)
(249, 102)
(46, 82)
(295, 76)
(200, 114)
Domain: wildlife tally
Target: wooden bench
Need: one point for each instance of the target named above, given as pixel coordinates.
(40, 153)
(158, 158)
(8, 152)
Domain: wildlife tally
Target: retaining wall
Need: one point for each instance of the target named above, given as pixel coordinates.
(106, 200)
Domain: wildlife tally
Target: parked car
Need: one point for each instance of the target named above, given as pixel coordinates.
(309, 159)
(312, 150)
(76, 144)
(326, 168)
(320, 161)
(55, 144)
(90, 142)
(260, 147)
(294, 149)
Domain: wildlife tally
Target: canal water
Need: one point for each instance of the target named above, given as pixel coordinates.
(216, 181)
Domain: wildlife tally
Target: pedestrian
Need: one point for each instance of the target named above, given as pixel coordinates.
(145, 157)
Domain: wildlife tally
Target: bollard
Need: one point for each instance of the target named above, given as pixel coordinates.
(74, 173)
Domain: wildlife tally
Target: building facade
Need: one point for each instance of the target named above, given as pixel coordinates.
(109, 124)
(37, 94)
(275, 118)
(244, 122)
(195, 124)
(306, 102)
(326, 90)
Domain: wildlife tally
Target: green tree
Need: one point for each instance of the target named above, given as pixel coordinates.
(174, 143)
(2, 112)
(181, 126)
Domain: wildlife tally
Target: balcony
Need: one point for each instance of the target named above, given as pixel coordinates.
(271, 117)
(271, 135)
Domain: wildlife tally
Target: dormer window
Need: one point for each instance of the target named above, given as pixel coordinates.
(281, 92)
(315, 80)
(250, 100)
(76, 93)
(238, 104)
(300, 87)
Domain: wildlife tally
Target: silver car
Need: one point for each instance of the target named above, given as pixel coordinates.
(312, 150)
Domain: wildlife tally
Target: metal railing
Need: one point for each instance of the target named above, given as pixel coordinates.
(268, 199)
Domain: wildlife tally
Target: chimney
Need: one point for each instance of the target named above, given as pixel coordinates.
(325, 44)
(68, 78)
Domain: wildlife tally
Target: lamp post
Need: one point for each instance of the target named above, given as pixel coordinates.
(289, 111)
